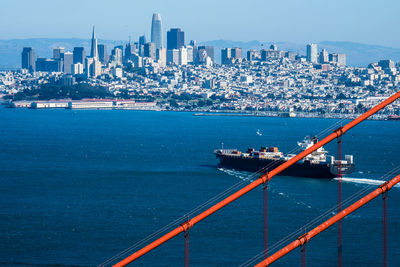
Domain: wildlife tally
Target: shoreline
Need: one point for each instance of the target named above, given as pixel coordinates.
(216, 113)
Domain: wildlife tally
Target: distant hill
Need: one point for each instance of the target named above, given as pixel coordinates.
(10, 50)
(357, 54)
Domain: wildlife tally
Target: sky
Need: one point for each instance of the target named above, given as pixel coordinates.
(297, 21)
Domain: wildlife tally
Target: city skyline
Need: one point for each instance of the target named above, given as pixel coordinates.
(344, 21)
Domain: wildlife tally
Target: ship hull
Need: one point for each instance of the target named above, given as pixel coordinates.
(303, 169)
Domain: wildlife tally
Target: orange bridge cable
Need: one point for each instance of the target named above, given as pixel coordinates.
(262, 179)
(318, 219)
(383, 188)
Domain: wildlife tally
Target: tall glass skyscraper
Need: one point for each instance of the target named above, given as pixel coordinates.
(156, 31)
(312, 53)
(175, 39)
(28, 59)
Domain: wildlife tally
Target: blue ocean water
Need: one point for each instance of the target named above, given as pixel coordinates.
(78, 187)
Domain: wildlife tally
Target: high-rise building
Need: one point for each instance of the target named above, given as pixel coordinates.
(386, 64)
(323, 56)
(173, 56)
(236, 53)
(79, 55)
(142, 41)
(190, 55)
(175, 39)
(103, 56)
(341, 60)
(312, 53)
(68, 60)
(338, 59)
(209, 51)
(226, 56)
(253, 55)
(150, 50)
(129, 51)
(93, 67)
(183, 56)
(77, 69)
(94, 52)
(161, 56)
(49, 65)
(28, 59)
(58, 52)
(156, 31)
(231, 55)
(116, 56)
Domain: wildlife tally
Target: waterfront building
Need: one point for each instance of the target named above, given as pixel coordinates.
(156, 31)
(103, 56)
(175, 39)
(312, 53)
(150, 50)
(94, 52)
(79, 55)
(28, 59)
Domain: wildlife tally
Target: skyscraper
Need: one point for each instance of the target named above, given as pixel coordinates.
(156, 31)
(142, 41)
(58, 52)
(94, 52)
(79, 55)
(150, 50)
(129, 51)
(68, 60)
(312, 53)
(231, 55)
(226, 56)
(103, 56)
(324, 56)
(28, 59)
(175, 39)
(209, 52)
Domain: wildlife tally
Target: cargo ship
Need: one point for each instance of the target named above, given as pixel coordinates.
(316, 165)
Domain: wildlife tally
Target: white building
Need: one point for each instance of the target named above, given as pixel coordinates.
(312, 53)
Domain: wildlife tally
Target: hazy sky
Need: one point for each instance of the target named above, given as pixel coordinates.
(299, 21)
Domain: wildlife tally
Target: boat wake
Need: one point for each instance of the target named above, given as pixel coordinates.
(363, 181)
(245, 176)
